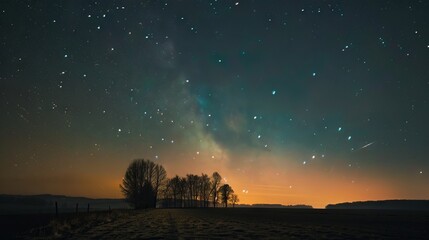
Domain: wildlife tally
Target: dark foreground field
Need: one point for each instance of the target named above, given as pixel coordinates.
(238, 223)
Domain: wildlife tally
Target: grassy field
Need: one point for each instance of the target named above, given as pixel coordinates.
(238, 223)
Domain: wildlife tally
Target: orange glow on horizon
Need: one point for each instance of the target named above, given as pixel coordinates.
(271, 181)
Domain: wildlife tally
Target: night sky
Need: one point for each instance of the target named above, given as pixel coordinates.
(293, 102)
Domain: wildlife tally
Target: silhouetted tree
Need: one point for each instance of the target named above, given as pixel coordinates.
(175, 188)
(167, 194)
(216, 178)
(182, 191)
(142, 183)
(225, 192)
(205, 190)
(159, 180)
(234, 199)
(148, 196)
(192, 187)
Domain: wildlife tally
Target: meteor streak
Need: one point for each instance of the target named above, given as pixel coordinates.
(367, 145)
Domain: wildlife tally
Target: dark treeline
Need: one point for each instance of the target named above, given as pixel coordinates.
(197, 191)
(383, 204)
(145, 185)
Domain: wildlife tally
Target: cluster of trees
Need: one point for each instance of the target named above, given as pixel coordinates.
(145, 184)
(198, 191)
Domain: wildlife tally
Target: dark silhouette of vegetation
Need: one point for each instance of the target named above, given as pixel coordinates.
(145, 185)
(225, 194)
(142, 183)
(383, 204)
(216, 178)
(159, 181)
(193, 191)
(234, 199)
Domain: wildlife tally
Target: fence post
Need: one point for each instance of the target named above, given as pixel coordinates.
(77, 208)
(56, 209)
(87, 209)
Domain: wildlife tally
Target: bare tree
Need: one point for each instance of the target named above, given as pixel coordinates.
(142, 182)
(175, 186)
(234, 199)
(183, 191)
(196, 190)
(192, 187)
(216, 178)
(205, 190)
(159, 178)
(134, 184)
(167, 194)
(225, 192)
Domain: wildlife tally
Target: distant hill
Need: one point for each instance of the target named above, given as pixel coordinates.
(266, 205)
(383, 204)
(45, 203)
